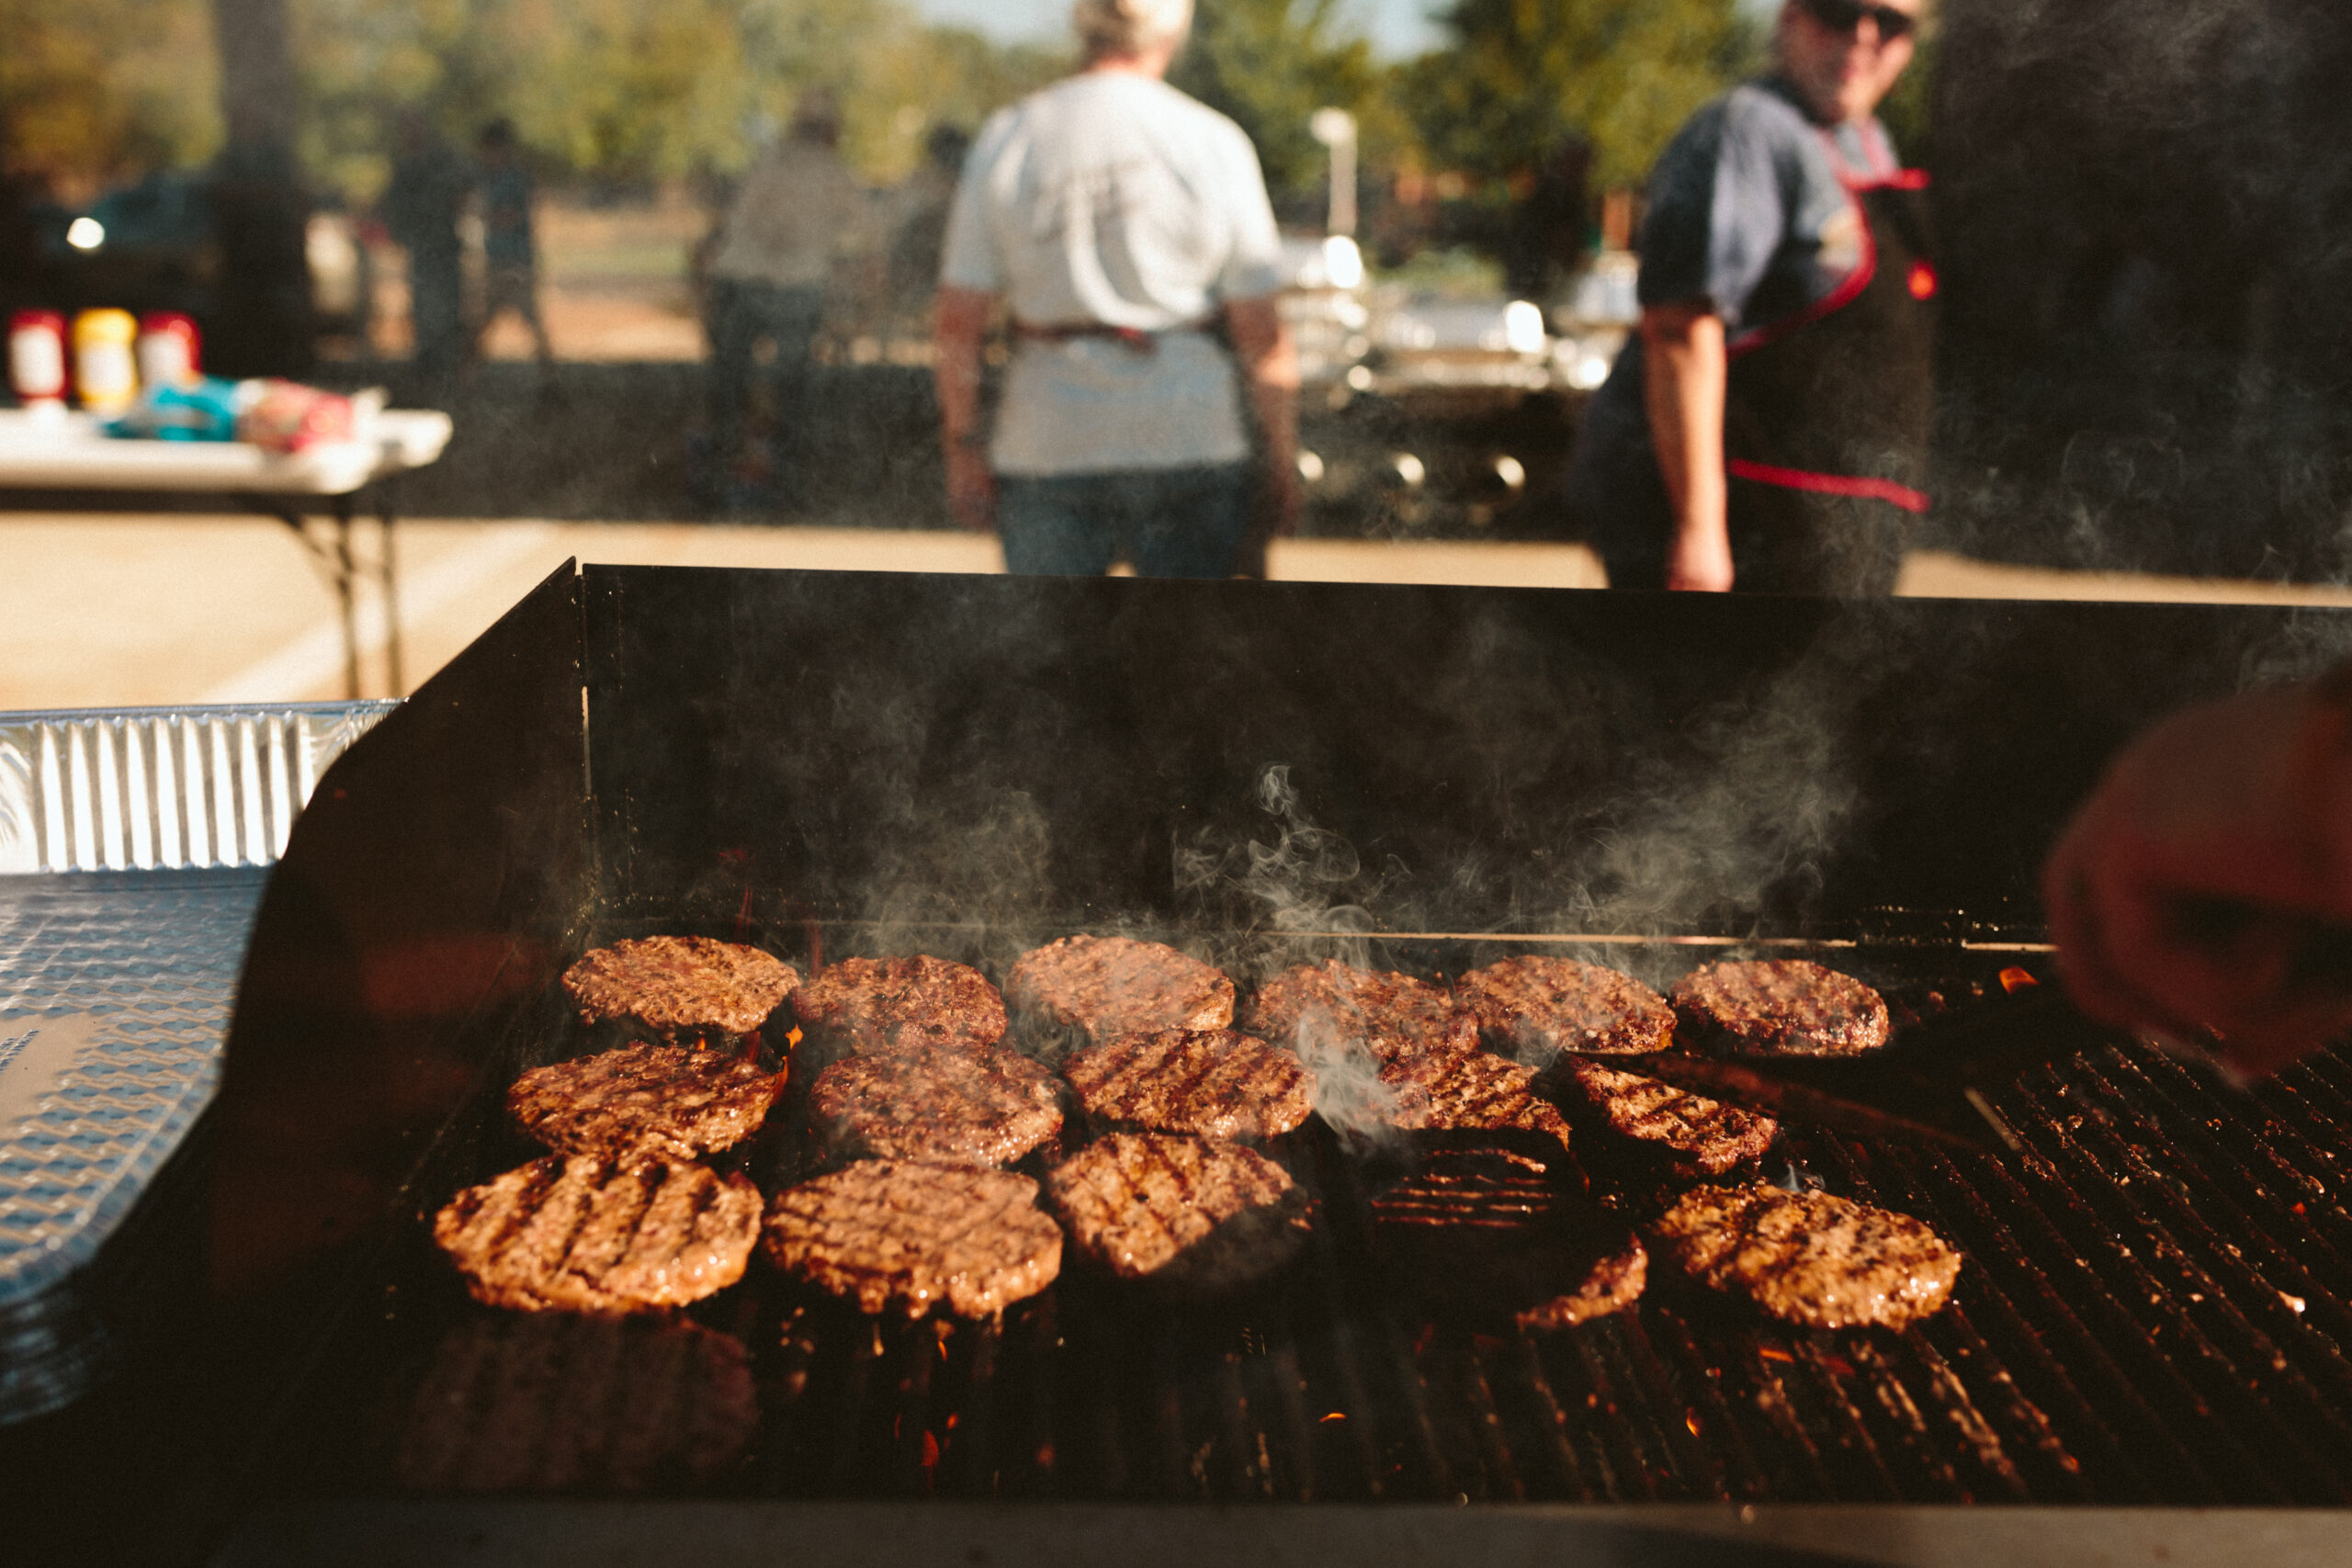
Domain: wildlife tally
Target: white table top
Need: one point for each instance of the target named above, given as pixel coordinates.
(69, 452)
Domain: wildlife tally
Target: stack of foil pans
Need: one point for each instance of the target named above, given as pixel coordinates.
(133, 849)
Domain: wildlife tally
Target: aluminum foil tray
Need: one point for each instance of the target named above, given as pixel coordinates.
(134, 850)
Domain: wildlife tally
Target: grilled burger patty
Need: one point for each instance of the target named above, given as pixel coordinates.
(555, 1402)
(892, 1004)
(1110, 986)
(590, 1233)
(1694, 1136)
(1784, 1007)
(1809, 1258)
(1216, 1082)
(977, 1107)
(888, 1234)
(1534, 1008)
(1475, 1089)
(660, 1099)
(1318, 1007)
(673, 985)
(1195, 1215)
(1478, 1230)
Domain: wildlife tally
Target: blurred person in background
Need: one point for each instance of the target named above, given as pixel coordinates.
(1126, 228)
(1767, 428)
(420, 208)
(919, 225)
(509, 257)
(800, 222)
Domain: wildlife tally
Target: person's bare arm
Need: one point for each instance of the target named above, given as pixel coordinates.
(2205, 886)
(960, 321)
(1261, 342)
(1683, 349)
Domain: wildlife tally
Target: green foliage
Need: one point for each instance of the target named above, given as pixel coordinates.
(95, 90)
(1271, 65)
(1620, 75)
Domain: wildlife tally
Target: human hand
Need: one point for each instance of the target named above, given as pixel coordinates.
(2197, 890)
(971, 487)
(1699, 560)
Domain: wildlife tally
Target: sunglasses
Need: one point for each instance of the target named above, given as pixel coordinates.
(1846, 16)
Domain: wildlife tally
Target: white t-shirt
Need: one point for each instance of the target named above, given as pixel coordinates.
(1114, 199)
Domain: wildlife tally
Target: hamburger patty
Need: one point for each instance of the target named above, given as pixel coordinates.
(590, 1234)
(1535, 1008)
(975, 1107)
(658, 1099)
(555, 1402)
(1214, 1082)
(892, 1004)
(884, 1234)
(1194, 1214)
(1474, 1090)
(1110, 986)
(1784, 1007)
(677, 986)
(1694, 1136)
(1808, 1258)
(1317, 1008)
(1477, 1231)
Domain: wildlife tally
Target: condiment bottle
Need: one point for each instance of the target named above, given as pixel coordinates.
(105, 376)
(37, 358)
(167, 349)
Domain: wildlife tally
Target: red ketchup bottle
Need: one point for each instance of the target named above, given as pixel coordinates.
(37, 359)
(168, 343)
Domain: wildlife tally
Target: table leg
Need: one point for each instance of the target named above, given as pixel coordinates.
(347, 591)
(391, 604)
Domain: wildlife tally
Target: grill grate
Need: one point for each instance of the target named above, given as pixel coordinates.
(2153, 1310)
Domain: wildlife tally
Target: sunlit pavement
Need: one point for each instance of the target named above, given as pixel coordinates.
(106, 611)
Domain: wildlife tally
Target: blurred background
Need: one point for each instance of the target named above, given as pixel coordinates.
(2141, 205)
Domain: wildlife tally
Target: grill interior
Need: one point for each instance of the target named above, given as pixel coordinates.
(2153, 1306)
(2151, 1312)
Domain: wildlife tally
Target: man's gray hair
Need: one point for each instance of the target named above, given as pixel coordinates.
(1129, 27)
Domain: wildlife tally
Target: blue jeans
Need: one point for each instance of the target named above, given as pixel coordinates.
(1164, 522)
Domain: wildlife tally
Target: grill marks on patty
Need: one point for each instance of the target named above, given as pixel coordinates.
(659, 1099)
(1480, 1231)
(975, 1107)
(1216, 1082)
(1785, 1007)
(1693, 1134)
(1194, 1214)
(894, 1004)
(1321, 1008)
(588, 1234)
(887, 1234)
(1476, 1090)
(677, 986)
(1536, 1006)
(555, 1402)
(1111, 985)
(1809, 1258)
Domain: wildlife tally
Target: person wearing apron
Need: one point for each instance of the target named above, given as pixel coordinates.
(1767, 430)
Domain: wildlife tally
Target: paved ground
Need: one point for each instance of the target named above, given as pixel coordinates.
(113, 611)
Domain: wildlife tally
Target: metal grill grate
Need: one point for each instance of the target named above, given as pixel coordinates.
(2153, 1311)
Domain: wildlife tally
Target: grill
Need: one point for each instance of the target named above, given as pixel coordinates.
(2154, 1306)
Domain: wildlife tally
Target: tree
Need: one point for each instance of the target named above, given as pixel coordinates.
(1621, 75)
(99, 89)
(1271, 65)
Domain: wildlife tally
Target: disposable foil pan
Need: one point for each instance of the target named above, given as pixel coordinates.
(133, 849)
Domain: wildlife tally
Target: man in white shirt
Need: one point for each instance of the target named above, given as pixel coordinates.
(1126, 228)
(800, 219)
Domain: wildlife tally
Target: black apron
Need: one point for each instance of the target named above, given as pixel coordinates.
(1826, 414)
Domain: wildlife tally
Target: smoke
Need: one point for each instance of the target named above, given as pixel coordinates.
(1301, 888)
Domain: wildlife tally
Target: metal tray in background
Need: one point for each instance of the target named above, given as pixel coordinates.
(134, 846)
